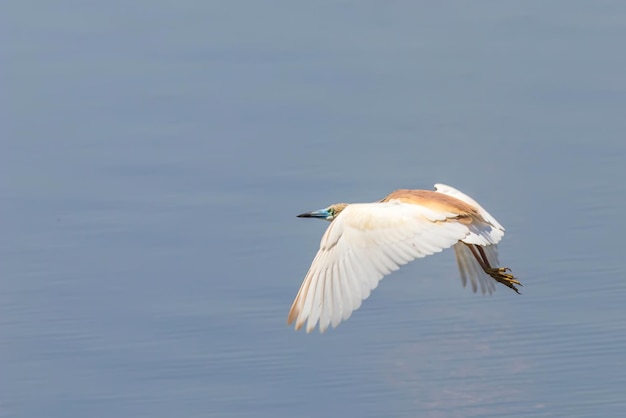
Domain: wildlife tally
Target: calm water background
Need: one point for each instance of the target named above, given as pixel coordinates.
(155, 154)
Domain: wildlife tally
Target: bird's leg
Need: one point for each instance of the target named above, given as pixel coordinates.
(499, 274)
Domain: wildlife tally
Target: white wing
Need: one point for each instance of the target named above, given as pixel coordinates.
(472, 271)
(486, 234)
(483, 233)
(363, 244)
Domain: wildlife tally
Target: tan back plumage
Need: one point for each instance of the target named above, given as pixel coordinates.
(437, 202)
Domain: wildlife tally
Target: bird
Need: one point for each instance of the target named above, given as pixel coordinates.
(367, 241)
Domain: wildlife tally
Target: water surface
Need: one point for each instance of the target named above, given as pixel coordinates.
(155, 155)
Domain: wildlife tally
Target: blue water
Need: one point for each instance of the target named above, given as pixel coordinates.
(155, 154)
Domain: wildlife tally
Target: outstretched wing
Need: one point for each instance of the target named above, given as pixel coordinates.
(363, 244)
(486, 232)
(472, 271)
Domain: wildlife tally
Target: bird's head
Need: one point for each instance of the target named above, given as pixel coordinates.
(328, 213)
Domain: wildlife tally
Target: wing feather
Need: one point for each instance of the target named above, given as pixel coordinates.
(338, 304)
(352, 292)
(326, 309)
(471, 270)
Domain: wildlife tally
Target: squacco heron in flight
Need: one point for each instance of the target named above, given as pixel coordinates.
(367, 241)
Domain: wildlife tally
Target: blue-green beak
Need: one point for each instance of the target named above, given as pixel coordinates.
(319, 214)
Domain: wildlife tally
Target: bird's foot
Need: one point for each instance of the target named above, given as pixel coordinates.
(500, 274)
